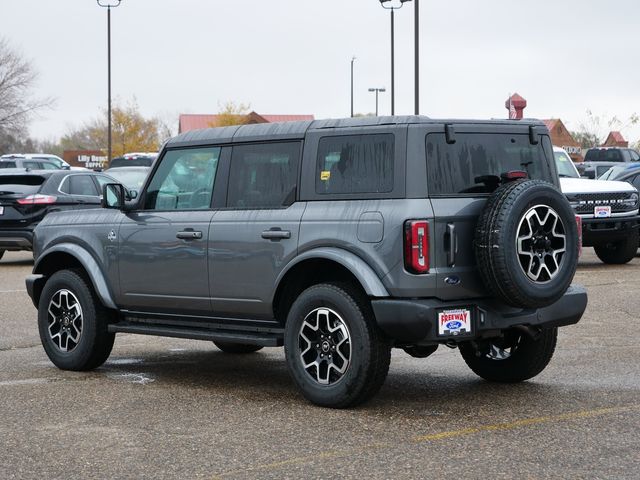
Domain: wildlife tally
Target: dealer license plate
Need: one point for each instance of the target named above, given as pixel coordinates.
(602, 212)
(454, 322)
(1, 210)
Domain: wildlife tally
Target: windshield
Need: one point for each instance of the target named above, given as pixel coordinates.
(24, 184)
(565, 165)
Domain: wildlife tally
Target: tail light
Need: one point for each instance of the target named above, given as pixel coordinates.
(37, 199)
(579, 224)
(416, 246)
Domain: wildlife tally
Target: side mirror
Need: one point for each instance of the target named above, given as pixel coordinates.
(113, 196)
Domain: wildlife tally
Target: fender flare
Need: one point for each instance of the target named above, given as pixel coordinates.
(89, 264)
(367, 277)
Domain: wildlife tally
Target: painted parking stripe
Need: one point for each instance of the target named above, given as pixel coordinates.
(525, 422)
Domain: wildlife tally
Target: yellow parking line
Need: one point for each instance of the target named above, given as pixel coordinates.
(434, 437)
(526, 422)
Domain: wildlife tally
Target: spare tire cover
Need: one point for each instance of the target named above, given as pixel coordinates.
(526, 244)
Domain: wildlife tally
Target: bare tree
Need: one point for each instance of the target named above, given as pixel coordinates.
(17, 78)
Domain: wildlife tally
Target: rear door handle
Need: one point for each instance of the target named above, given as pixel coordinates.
(452, 247)
(189, 235)
(276, 234)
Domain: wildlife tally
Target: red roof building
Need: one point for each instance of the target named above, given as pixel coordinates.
(189, 121)
(615, 139)
(561, 137)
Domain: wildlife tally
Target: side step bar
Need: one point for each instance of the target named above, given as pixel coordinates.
(267, 337)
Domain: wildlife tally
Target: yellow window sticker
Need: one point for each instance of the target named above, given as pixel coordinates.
(325, 175)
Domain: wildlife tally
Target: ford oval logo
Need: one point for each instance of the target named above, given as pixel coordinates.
(453, 325)
(452, 280)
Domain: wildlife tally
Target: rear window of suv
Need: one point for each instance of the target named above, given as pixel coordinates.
(473, 164)
(603, 155)
(20, 183)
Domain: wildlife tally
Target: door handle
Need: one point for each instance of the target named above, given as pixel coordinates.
(452, 244)
(189, 235)
(276, 234)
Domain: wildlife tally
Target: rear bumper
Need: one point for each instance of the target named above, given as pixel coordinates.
(415, 320)
(16, 239)
(598, 230)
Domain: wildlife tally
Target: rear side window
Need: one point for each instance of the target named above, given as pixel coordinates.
(263, 175)
(473, 163)
(7, 164)
(79, 185)
(603, 155)
(20, 184)
(355, 164)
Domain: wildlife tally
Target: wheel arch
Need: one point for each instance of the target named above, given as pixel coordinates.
(321, 265)
(66, 256)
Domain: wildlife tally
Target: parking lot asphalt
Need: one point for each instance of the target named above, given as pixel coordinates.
(170, 408)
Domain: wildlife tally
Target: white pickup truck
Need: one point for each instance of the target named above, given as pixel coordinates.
(608, 209)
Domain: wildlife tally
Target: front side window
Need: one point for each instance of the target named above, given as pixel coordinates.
(474, 163)
(263, 175)
(184, 180)
(355, 164)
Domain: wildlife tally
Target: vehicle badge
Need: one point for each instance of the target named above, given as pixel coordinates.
(112, 236)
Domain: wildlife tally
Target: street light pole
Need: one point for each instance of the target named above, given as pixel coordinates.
(393, 75)
(377, 90)
(108, 5)
(352, 60)
(416, 27)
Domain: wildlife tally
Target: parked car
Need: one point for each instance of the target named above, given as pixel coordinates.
(618, 171)
(133, 160)
(60, 163)
(598, 160)
(608, 211)
(27, 163)
(26, 197)
(131, 177)
(338, 239)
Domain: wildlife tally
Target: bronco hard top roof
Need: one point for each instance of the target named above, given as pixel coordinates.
(297, 130)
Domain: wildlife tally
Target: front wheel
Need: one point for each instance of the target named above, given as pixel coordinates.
(515, 357)
(335, 352)
(617, 253)
(73, 323)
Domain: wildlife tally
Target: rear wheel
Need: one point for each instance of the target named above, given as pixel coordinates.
(622, 251)
(515, 357)
(335, 352)
(229, 347)
(73, 323)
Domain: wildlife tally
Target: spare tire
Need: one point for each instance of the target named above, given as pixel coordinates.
(526, 244)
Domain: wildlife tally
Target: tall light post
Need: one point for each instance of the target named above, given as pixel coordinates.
(377, 90)
(416, 28)
(353, 59)
(393, 80)
(109, 4)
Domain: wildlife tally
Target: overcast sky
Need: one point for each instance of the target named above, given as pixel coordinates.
(293, 56)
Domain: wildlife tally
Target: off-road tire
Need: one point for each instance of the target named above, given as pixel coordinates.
(370, 351)
(237, 348)
(497, 253)
(529, 358)
(617, 253)
(95, 342)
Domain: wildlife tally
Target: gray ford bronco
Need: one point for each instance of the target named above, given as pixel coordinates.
(337, 239)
